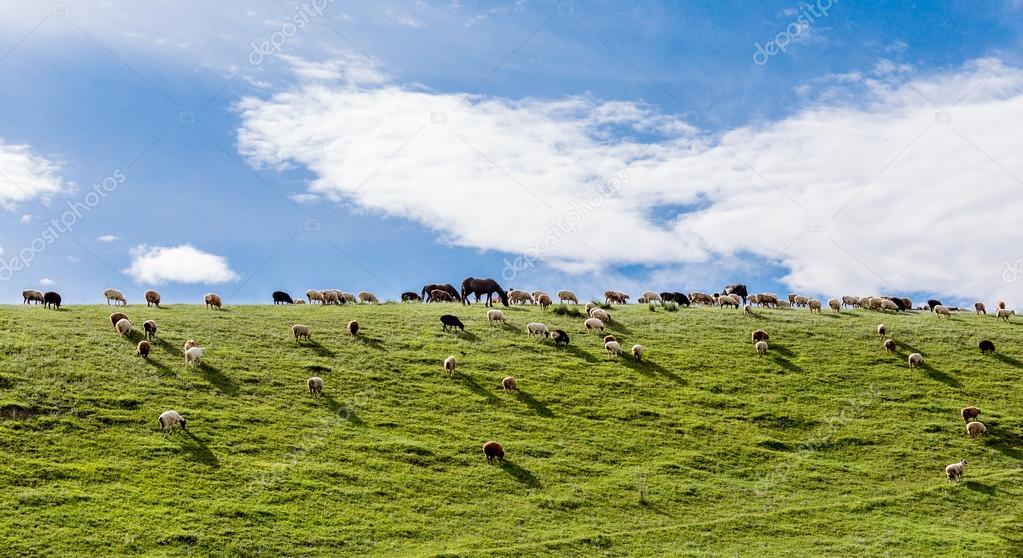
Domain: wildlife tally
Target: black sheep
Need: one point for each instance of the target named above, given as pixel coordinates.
(51, 298)
(281, 297)
(450, 321)
(932, 303)
(986, 346)
(560, 337)
(409, 296)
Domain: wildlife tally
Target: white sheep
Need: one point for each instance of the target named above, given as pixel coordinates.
(916, 360)
(193, 355)
(315, 385)
(975, 429)
(835, 305)
(954, 471)
(747, 310)
(1005, 314)
(567, 296)
(940, 311)
(301, 331)
(594, 323)
(537, 329)
(637, 352)
(600, 314)
(312, 295)
(449, 363)
(650, 296)
(728, 300)
(885, 304)
(116, 296)
(368, 297)
(170, 419)
(761, 347)
(495, 316)
(613, 348)
(123, 326)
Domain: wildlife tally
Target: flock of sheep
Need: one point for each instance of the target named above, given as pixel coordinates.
(732, 296)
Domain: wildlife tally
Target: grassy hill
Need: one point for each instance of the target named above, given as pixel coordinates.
(827, 446)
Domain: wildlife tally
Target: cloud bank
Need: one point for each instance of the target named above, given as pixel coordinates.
(178, 264)
(26, 176)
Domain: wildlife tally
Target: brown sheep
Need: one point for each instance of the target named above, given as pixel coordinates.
(143, 349)
(149, 326)
(493, 450)
(315, 385)
(353, 328)
(509, 384)
(116, 317)
(212, 300)
(544, 301)
(882, 330)
(969, 413)
(979, 306)
(889, 345)
(438, 295)
(301, 331)
(152, 298)
(760, 335)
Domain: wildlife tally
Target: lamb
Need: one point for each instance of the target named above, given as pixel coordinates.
(544, 301)
(916, 360)
(194, 355)
(315, 386)
(600, 314)
(116, 296)
(353, 328)
(368, 297)
(493, 450)
(123, 326)
(760, 335)
(986, 346)
(560, 337)
(142, 349)
(980, 308)
(496, 316)
(815, 305)
(954, 471)
(301, 331)
(593, 323)
(149, 326)
(116, 317)
(537, 329)
(882, 330)
(438, 295)
(975, 429)
(613, 348)
(32, 295)
(969, 413)
(637, 352)
(449, 321)
(874, 302)
(51, 299)
(889, 345)
(940, 311)
(212, 300)
(567, 296)
(509, 384)
(313, 294)
(189, 344)
(449, 364)
(152, 298)
(761, 347)
(1004, 314)
(169, 419)
(835, 305)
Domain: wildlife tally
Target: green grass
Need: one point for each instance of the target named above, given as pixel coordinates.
(827, 446)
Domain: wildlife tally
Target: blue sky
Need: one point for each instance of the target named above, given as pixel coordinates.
(389, 144)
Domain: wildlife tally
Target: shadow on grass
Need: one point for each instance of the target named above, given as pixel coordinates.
(520, 474)
(980, 487)
(943, 377)
(1011, 361)
(475, 386)
(199, 451)
(781, 349)
(531, 402)
(346, 412)
(218, 379)
(166, 346)
(651, 368)
(371, 342)
(1008, 445)
(785, 363)
(317, 347)
(162, 368)
(577, 352)
(617, 327)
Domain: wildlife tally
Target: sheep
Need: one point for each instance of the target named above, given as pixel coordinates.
(116, 296)
(449, 321)
(193, 355)
(954, 471)
(560, 337)
(986, 346)
(969, 413)
(368, 297)
(882, 330)
(315, 386)
(613, 348)
(330, 297)
(874, 303)
(519, 297)
(940, 311)
(637, 352)
(916, 360)
(152, 298)
(51, 299)
(753, 299)
(760, 335)
(493, 450)
(349, 298)
(116, 317)
(932, 303)
(569, 296)
(537, 329)
(353, 328)
(212, 300)
(450, 364)
(544, 301)
(610, 338)
(281, 297)
(850, 301)
(509, 384)
(301, 331)
(980, 308)
(149, 326)
(600, 314)
(615, 297)
(800, 300)
(768, 299)
(1001, 305)
(536, 294)
(651, 296)
(438, 295)
(298, 301)
(409, 296)
(32, 295)
(496, 316)
(312, 295)
(590, 306)
(142, 349)
(747, 310)
(189, 344)
(593, 323)
(889, 345)
(815, 305)
(1004, 314)
(123, 327)
(976, 428)
(728, 300)
(169, 419)
(761, 347)
(886, 304)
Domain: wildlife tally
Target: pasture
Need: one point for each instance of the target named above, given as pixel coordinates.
(825, 446)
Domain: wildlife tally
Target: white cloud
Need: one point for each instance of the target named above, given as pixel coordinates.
(26, 176)
(47, 282)
(108, 238)
(25, 219)
(924, 197)
(178, 264)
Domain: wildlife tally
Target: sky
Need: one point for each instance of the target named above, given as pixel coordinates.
(829, 148)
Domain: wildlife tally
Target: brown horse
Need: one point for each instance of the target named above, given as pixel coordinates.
(450, 289)
(480, 287)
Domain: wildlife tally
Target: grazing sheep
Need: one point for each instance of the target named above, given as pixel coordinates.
(212, 300)
(315, 385)
(767, 299)
(123, 326)
(1001, 305)
(889, 345)
(301, 331)
(887, 304)
(544, 301)
(438, 295)
(142, 349)
(610, 338)
(189, 344)
(449, 321)
(169, 419)
(312, 295)
(149, 326)
(932, 303)
(449, 364)
(975, 429)
(593, 323)
(800, 300)
(194, 355)
(980, 308)
(651, 296)
(986, 346)
(969, 413)
(815, 305)
(916, 360)
(568, 296)
(349, 298)
(116, 317)
(874, 302)
(954, 471)
(940, 311)
(331, 297)
(1004, 314)
(32, 295)
(850, 301)
(761, 347)
(368, 297)
(519, 297)
(298, 301)
(590, 306)
(728, 300)
(116, 296)
(613, 348)
(281, 297)
(560, 337)
(353, 328)
(495, 316)
(537, 329)
(51, 299)
(509, 384)
(637, 352)
(493, 450)
(760, 335)
(882, 330)
(835, 305)
(748, 309)
(600, 314)
(536, 294)
(409, 296)
(615, 297)
(152, 298)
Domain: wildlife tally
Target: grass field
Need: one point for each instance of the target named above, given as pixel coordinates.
(828, 446)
